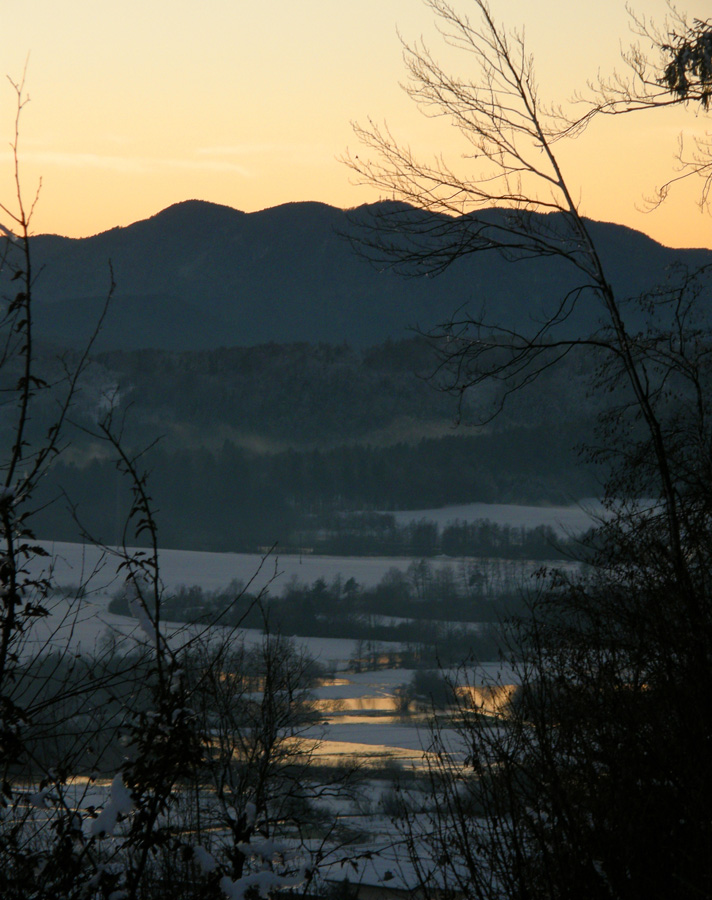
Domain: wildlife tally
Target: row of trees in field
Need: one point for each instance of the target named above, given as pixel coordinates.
(379, 534)
(430, 615)
(474, 591)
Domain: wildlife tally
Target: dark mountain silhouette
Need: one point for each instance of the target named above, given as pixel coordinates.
(199, 275)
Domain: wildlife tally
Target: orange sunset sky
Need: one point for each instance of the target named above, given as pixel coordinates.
(140, 104)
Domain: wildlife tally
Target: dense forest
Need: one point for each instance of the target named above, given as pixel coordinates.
(261, 443)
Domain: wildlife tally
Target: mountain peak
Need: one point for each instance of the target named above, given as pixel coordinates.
(194, 205)
(185, 210)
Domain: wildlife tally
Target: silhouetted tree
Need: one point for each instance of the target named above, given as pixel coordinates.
(595, 782)
(671, 66)
(67, 718)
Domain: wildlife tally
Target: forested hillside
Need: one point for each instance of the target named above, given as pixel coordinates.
(266, 443)
(201, 275)
(273, 365)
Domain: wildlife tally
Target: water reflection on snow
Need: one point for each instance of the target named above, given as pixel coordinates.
(343, 702)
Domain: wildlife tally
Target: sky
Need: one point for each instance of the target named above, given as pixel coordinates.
(140, 104)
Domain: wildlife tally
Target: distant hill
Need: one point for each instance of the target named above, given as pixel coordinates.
(199, 275)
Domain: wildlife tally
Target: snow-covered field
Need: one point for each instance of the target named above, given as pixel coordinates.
(365, 725)
(73, 563)
(565, 520)
(359, 710)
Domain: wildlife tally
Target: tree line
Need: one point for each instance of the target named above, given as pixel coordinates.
(379, 534)
(236, 499)
(428, 611)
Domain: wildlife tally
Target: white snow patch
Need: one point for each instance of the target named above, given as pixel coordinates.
(205, 860)
(120, 803)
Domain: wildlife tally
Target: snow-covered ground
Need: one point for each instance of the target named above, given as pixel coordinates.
(367, 726)
(565, 520)
(364, 730)
(84, 624)
(73, 563)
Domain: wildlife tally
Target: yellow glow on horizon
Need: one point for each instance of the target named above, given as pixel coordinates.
(139, 105)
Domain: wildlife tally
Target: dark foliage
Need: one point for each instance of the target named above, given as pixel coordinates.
(688, 73)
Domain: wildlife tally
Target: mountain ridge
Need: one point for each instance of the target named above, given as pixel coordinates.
(199, 274)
